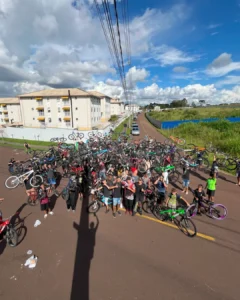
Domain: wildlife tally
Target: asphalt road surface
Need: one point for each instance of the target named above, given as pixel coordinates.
(83, 257)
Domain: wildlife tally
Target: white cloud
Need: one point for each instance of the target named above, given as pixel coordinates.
(214, 33)
(180, 69)
(167, 55)
(213, 26)
(135, 75)
(222, 65)
(229, 80)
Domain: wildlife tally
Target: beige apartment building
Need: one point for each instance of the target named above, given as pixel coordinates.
(105, 105)
(117, 107)
(53, 108)
(10, 111)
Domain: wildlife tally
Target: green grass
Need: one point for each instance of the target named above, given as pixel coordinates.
(223, 134)
(120, 129)
(196, 113)
(113, 118)
(30, 142)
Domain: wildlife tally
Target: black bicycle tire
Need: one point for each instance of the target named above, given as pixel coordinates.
(189, 234)
(53, 139)
(35, 186)
(146, 203)
(16, 237)
(71, 137)
(92, 203)
(62, 139)
(81, 135)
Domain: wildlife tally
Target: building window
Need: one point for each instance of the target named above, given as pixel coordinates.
(32, 108)
(40, 103)
(60, 119)
(59, 110)
(33, 119)
(68, 123)
(76, 119)
(67, 113)
(49, 110)
(76, 108)
(76, 98)
(41, 113)
(49, 120)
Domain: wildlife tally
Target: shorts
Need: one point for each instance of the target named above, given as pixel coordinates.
(105, 200)
(210, 193)
(116, 201)
(186, 182)
(52, 181)
(44, 206)
(238, 174)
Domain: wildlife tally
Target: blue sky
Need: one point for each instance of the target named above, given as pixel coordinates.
(179, 49)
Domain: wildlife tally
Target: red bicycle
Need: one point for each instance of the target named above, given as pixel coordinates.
(7, 231)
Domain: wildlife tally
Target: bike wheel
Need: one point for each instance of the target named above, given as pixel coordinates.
(231, 165)
(142, 167)
(93, 207)
(181, 142)
(146, 206)
(191, 211)
(12, 237)
(90, 133)
(173, 176)
(160, 213)
(12, 182)
(187, 227)
(218, 211)
(71, 137)
(36, 181)
(81, 135)
(205, 163)
(53, 139)
(62, 139)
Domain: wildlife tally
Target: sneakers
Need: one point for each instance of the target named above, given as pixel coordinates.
(186, 193)
(45, 216)
(107, 211)
(73, 210)
(51, 213)
(119, 213)
(114, 215)
(68, 210)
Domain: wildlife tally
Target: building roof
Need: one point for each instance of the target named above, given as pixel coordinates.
(97, 94)
(116, 101)
(57, 93)
(9, 101)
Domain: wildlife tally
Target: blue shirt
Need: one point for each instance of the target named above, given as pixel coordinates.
(160, 187)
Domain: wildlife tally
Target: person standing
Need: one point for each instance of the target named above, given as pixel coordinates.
(238, 172)
(186, 179)
(211, 186)
(44, 201)
(161, 188)
(117, 194)
(27, 147)
(73, 193)
(130, 190)
(139, 196)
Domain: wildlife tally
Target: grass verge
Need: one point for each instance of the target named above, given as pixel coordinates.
(121, 129)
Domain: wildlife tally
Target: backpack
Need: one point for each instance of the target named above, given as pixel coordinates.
(65, 194)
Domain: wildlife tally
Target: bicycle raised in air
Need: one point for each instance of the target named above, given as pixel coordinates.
(181, 216)
(176, 140)
(74, 136)
(59, 140)
(13, 181)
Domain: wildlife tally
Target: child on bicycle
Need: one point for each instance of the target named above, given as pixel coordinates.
(173, 200)
(199, 195)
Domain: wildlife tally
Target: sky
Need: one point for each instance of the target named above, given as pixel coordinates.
(179, 49)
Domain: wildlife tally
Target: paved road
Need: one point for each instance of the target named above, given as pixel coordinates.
(123, 258)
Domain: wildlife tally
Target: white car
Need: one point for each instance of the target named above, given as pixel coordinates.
(135, 130)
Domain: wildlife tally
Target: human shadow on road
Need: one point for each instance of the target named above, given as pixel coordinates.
(84, 253)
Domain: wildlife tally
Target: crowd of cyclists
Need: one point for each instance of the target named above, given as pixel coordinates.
(120, 175)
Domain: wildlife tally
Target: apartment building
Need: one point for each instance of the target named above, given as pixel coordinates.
(134, 108)
(54, 108)
(117, 107)
(10, 111)
(105, 105)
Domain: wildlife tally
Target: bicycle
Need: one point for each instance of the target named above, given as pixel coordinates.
(209, 208)
(74, 136)
(181, 217)
(98, 202)
(7, 230)
(13, 181)
(59, 140)
(176, 140)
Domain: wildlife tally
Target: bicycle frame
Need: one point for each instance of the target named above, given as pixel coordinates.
(23, 176)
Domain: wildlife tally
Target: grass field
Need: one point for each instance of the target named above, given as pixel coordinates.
(196, 113)
(120, 129)
(223, 134)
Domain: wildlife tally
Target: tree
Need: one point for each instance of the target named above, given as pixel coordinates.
(194, 104)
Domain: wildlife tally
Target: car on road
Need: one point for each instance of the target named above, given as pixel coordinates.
(135, 130)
